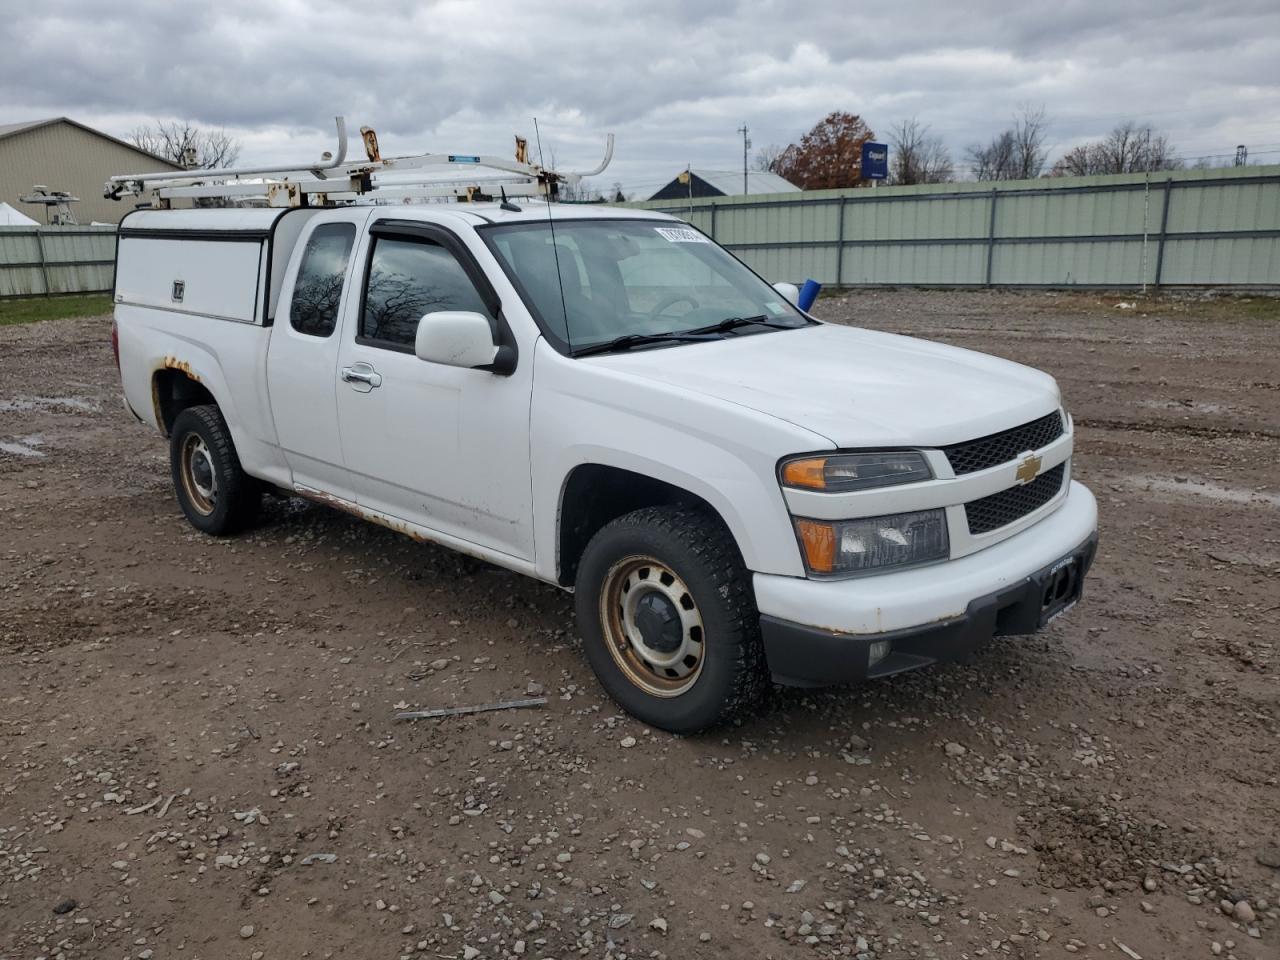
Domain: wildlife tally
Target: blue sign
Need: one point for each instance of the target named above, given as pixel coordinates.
(875, 161)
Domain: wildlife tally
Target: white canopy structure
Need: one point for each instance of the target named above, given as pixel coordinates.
(10, 217)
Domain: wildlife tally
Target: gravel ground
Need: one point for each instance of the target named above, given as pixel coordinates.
(197, 756)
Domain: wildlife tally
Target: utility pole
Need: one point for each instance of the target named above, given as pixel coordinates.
(746, 145)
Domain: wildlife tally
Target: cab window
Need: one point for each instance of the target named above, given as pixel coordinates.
(317, 293)
(407, 279)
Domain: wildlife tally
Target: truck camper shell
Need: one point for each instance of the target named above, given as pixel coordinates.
(225, 264)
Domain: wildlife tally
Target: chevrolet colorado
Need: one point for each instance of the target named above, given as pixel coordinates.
(607, 400)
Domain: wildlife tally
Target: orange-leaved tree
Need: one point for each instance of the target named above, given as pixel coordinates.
(829, 155)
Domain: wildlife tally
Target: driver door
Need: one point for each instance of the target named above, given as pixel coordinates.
(443, 447)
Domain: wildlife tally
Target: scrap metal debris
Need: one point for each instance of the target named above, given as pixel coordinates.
(145, 807)
(479, 708)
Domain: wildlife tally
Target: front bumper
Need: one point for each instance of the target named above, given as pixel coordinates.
(821, 632)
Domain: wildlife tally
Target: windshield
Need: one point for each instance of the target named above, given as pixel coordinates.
(635, 279)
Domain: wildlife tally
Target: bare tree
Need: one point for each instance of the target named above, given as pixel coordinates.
(584, 191)
(994, 160)
(766, 159)
(1029, 134)
(1128, 148)
(187, 145)
(1076, 162)
(918, 156)
(1017, 153)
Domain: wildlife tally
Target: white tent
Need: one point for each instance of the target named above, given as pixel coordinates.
(10, 217)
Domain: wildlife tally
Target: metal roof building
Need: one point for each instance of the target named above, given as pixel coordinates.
(65, 155)
(723, 183)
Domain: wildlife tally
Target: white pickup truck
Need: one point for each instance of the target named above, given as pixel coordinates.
(608, 401)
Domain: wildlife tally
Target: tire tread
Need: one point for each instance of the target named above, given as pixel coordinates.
(705, 537)
(239, 495)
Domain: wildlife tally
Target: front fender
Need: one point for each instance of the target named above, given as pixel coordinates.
(724, 453)
(755, 515)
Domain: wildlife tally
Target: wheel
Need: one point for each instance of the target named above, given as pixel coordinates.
(668, 620)
(217, 496)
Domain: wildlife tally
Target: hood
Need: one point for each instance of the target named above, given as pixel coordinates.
(855, 387)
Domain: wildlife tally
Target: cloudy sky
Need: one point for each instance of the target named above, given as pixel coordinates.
(672, 79)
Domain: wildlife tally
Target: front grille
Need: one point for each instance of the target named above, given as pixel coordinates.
(993, 512)
(974, 455)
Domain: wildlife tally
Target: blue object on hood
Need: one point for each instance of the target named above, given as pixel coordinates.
(808, 294)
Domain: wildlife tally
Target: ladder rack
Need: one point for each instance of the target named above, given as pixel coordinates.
(334, 179)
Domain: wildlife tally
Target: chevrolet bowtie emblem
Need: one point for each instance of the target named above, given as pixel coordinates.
(1028, 469)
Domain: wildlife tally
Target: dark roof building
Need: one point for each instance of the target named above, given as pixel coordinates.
(722, 183)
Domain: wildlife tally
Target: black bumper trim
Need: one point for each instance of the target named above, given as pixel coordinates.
(804, 656)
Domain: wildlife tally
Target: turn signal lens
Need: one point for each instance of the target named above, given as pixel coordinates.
(847, 547)
(819, 540)
(805, 473)
(846, 472)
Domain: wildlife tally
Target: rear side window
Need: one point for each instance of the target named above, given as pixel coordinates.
(317, 294)
(409, 278)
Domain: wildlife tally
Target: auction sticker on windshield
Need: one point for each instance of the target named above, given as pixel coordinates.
(681, 235)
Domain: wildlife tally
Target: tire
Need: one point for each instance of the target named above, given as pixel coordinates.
(217, 496)
(680, 668)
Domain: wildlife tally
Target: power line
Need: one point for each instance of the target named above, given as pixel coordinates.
(1231, 155)
(1252, 146)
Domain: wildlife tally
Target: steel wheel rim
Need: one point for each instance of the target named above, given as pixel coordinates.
(656, 671)
(199, 476)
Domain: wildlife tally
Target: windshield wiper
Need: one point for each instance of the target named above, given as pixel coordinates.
(709, 332)
(733, 323)
(630, 340)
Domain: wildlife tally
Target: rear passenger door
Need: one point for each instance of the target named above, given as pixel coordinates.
(302, 360)
(443, 447)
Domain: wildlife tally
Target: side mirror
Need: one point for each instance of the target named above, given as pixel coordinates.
(789, 291)
(455, 338)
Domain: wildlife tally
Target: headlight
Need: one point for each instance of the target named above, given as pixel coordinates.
(844, 472)
(834, 548)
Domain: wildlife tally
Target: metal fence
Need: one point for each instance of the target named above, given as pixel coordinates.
(38, 261)
(1179, 228)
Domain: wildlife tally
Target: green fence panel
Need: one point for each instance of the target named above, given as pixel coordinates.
(1183, 227)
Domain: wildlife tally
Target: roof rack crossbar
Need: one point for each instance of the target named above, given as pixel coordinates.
(131, 183)
(336, 179)
(289, 193)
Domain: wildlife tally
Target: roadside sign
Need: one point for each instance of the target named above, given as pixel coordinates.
(875, 161)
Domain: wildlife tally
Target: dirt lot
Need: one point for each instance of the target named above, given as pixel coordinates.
(183, 720)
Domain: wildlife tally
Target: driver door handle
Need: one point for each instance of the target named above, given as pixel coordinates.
(362, 373)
